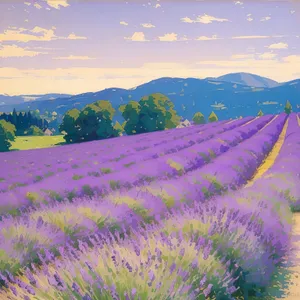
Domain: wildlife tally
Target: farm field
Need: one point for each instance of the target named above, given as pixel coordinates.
(36, 142)
(204, 212)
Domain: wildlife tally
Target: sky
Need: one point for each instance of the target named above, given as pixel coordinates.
(76, 46)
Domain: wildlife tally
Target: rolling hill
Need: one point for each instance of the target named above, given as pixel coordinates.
(227, 99)
(8, 100)
(249, 80)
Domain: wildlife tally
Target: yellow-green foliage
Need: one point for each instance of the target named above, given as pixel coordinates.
(36, 142)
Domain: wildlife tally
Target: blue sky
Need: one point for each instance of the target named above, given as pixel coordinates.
(73, 46)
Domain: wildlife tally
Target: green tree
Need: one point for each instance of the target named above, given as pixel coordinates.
(260, 113)
(95, 121)
(131, 114)
(7, 135)
(123, 125)
(288, 107)
(14, 117)
(70, 127)
(212, 117)
(118, 128)
(34, 130)
(198, 118)
(152, 113)
(157, 113)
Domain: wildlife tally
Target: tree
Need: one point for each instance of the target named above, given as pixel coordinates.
(212, 117)
(95, 121)
(260, 113)
(23, 120)
(288, 107)
(70, 127)
(131, 114)
(198, 118)
(34, 130)
(7, 135)
(152, 113)
(14, 117)
(118, 128)
(157, 113)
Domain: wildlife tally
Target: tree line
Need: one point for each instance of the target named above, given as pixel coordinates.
(19, 123)
(287, 109)
(24, 120)
(95, 121)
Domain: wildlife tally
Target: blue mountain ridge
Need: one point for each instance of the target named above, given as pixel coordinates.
(190, 95)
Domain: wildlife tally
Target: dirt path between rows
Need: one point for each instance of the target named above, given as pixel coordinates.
(270, 159)
(293, 291)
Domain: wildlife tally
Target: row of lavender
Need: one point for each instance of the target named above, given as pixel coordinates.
(230, 247)
(146, 168)
(284, 174)
(69, 155)
(48, 163)
(50, 226)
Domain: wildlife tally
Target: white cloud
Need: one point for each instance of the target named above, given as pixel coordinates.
(187, 20)
(267, 55)
(36, 34)
(265, 19)
(74, 57)
(148, 25)
(124, 23)
(26, 20)
(25, 35)
(27, 3)
(250, 37)
(205, 19)
(238, 3)
(250, 19)
(168, 37)
(206, 38)
(157, 5)
(137, 37)
(278, 46)
(73, 36)
(38, 29)
(36, 5)
(16, 51)
(57, 3)
(184, 38)
(292, 12)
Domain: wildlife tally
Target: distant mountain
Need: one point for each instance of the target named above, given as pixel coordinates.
(227, 99)
(249, 80)
(8, 100)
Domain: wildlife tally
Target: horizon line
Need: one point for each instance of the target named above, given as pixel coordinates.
(134, 87)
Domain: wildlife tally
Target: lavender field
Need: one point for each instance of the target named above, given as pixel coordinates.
(203, 212)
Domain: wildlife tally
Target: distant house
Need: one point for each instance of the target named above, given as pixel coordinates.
(185, 123)
(48, 132)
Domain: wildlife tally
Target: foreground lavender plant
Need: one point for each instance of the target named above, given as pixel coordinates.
(148, 266)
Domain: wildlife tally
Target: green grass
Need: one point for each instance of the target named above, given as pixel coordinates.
(36, 142)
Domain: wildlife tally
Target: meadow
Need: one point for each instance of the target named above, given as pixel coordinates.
(36, 142)
(203, 212)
